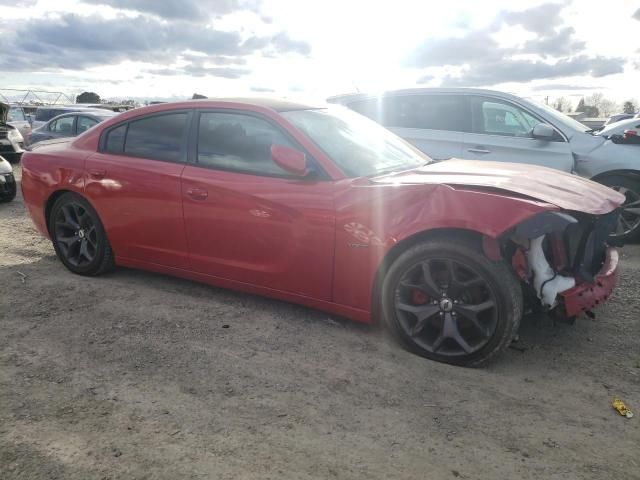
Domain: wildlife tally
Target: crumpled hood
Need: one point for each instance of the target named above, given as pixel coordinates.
(569, 192)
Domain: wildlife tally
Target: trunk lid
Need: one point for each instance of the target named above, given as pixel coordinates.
(569, 192)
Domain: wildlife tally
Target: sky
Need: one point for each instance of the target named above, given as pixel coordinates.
(156, 49)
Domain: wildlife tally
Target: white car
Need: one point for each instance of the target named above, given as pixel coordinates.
(11, 140)
(18, 119)
(7, 182)
(475, 124)
(618, 128)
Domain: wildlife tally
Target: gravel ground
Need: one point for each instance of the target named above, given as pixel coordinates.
(140, 376)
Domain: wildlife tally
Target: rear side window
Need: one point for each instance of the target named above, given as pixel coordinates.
(429, 112)
(85, 123)
(114, 142)
(160, 137)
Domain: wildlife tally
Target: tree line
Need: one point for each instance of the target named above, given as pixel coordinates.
(596, 105)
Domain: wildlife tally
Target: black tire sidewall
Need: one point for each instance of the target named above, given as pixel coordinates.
(631, 184)
(95, 265)
(500, 279)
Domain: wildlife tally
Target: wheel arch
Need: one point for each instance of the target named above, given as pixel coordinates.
(471, 237)
(629, 173)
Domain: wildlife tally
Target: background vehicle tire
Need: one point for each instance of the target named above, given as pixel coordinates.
(447, 302)
(628, 228)
(10, 194)
(78, 236)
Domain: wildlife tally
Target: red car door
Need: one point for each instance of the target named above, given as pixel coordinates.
(249, 221)
(134, 184)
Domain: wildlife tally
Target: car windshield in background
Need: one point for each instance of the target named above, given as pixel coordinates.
(359, 146)
(16, 115)
(560, 117)
(46, 114)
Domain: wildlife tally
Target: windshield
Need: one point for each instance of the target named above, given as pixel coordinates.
(560, 117)
(359, 146)
(16, 115)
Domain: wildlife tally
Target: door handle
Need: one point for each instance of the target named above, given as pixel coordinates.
(97, 173)
(197, 193)
(479, 150)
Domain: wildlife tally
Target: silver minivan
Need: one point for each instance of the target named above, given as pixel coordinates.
(478, 124)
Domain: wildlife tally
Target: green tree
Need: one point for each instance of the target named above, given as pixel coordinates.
(88, 97)
(580, 107)
(630, 107)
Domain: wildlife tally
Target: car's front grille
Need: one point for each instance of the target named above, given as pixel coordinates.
(4, 134)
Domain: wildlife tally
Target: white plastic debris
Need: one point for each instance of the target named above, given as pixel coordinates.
(547, 287)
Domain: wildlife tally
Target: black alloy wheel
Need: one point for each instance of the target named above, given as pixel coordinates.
(446, 301)
(79, 237)
(446, 307)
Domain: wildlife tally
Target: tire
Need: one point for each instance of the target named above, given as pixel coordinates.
(475, 320)
(628, 229)
(78, 236)
(10, 194)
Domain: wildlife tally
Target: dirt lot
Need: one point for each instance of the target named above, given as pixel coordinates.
(140, 376)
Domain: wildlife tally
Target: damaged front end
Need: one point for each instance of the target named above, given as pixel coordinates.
(565, 259)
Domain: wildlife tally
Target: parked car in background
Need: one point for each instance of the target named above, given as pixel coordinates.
(70, 124)
(46, 113)
(619, 117)
(11, 140)
(18, 119)
(486, 125)
(618, 128)
(323, 207)
(8, 188)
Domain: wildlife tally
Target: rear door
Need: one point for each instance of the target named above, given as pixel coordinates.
(134, 184)
(249, 221)
(434, 123)
(501, 131)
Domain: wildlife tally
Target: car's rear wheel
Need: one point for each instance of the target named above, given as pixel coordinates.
(78, 236)
(628, 226)
(447, 302)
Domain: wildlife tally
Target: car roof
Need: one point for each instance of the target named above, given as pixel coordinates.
(277, 104)
(86, 113)
(415, 91)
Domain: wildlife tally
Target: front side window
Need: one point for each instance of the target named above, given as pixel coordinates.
(495, 117)
(160, 137)
(85, 123)
(237, 142)
(63, 126)
(358, 146)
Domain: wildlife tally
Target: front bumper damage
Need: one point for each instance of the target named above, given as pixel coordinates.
(565, 259)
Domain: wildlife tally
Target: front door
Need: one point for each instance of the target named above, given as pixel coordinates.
(249, 221)
(501, 132)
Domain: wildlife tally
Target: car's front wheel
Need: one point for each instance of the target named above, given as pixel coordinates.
(628, 227)
(78, 236)
(446, 301)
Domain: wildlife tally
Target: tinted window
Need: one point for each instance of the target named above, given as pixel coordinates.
(161, 137)
(85, 123)
(239, 142)
(115, 139)
(46, 114)
(432, 112)
(63, 125)
(16, 115)
(495, 117)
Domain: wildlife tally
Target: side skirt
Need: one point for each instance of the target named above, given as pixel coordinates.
(352, 313)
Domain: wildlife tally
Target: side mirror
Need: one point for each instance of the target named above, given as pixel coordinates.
(542, 131)
(290, 160)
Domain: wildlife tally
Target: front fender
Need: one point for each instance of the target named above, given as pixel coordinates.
(374, 220)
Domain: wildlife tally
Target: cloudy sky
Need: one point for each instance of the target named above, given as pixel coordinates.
(167, 49)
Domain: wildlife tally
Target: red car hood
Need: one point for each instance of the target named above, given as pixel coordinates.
(564, 190)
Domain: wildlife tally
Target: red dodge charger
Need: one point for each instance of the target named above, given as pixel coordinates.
(320, 206)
